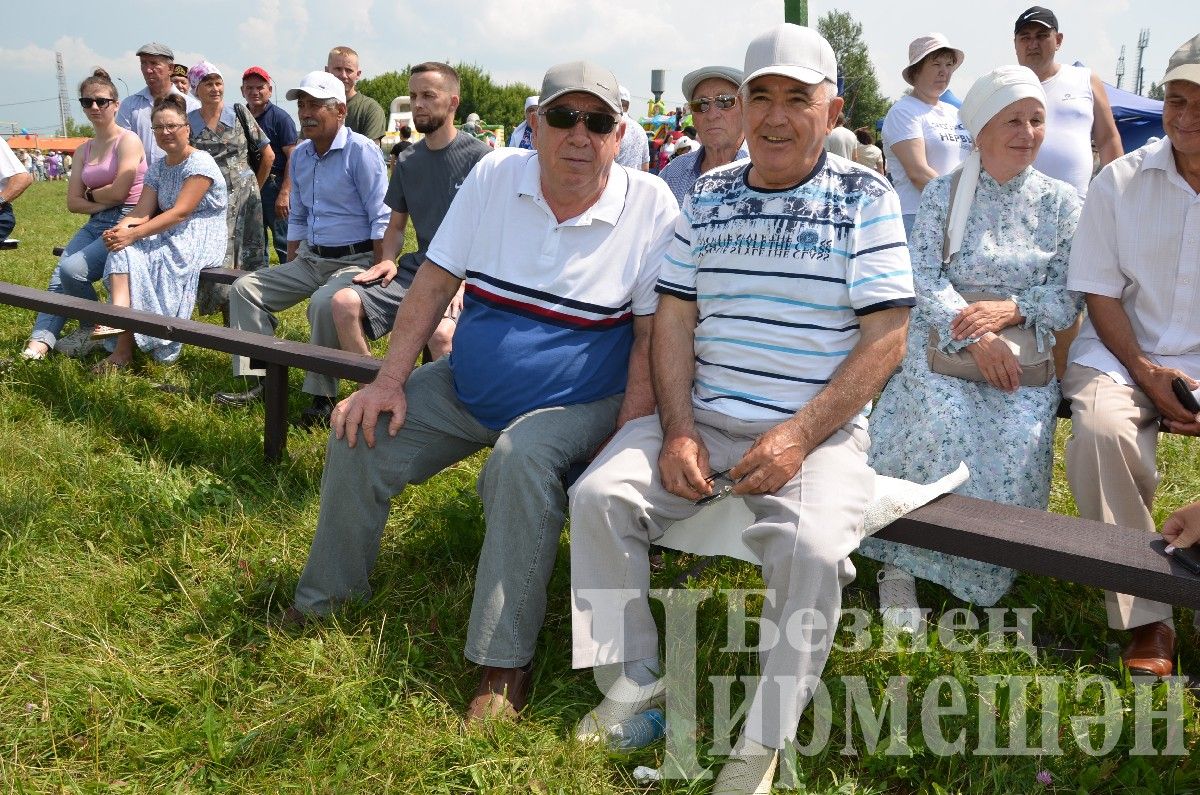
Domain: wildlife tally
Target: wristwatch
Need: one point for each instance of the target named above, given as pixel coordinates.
(87, 194)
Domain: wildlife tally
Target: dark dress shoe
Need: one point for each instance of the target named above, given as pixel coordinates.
(251, 395)
(1152, 650)
(317, 415)
(292, 620)
(502, 694)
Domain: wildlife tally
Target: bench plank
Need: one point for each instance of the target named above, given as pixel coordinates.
(218, 275)
(276, 354)
(1064, 547)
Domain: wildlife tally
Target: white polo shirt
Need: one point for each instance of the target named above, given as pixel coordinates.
(9, 165)
(549, 306)
(1139, 241)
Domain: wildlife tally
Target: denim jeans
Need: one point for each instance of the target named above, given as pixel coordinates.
(82, 263)
(524, 505)
(276, 226)
(8, 220)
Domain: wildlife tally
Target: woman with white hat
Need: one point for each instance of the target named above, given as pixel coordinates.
(922, 134)
(989, 256)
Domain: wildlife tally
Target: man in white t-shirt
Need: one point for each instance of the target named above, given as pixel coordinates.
(14, 179)
(1134, 257)
(841, 141)
(635, 149)
(1077, 110)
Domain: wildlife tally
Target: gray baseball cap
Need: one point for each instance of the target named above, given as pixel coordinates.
(1185, 62)
(698, 76)
(157, 49)
(791, 51)
(566, 78)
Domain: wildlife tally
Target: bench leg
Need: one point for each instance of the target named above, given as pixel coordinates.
(275, 397)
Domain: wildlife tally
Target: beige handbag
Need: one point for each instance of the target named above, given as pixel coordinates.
(1037, 367)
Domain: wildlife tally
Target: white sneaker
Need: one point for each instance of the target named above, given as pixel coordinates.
(747, 773)
(78, 343)
(898, 606)
(30, 355)
(624, 700)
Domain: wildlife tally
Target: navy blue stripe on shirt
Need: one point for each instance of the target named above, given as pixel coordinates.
(882, 305)
(541, 315)
(780, 274)
(550, 298)
(740, 399)
(788, 324)
(776, 376)
(873, 249)
(679, 291)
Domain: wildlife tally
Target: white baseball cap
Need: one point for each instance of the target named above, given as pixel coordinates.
(319, 85)
(791, 51)
(531, 102)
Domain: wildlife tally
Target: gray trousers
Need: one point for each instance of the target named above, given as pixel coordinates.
(254, 298)
(524, 506)
(802, 533)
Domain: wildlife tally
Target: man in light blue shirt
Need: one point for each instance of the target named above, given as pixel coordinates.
(134, 114)
(335, 231)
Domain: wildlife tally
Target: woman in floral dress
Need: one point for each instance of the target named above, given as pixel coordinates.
(221, 130)
(1010, 231)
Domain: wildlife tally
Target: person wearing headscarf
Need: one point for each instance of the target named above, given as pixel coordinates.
(230, 133)
(922, 134)
(1006, 232)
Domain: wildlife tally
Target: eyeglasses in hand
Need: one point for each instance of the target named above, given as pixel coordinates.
(719, 492)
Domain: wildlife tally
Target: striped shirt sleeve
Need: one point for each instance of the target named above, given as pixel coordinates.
(879, 273)
(677, 276)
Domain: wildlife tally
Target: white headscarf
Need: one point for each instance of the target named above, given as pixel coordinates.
(991, 94)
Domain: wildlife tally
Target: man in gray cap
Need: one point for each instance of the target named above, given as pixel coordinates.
(783, 309)
(1135, 257)
(635, 149)
(712, 98)
(559, 249)
(134, 114)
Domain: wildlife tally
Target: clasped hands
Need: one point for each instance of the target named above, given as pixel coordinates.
(985, 320)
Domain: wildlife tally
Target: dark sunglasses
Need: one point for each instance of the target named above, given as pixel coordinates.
(99, 102)
(565, 118)
(722, 101)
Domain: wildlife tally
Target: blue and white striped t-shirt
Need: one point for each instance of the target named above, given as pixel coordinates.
(780, 278)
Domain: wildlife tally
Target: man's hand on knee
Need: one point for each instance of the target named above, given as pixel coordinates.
(381, 272)
(1156, 383)
(363, 409)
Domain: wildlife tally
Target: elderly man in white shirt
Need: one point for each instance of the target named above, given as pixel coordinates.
(155, 63)
(1137, 257)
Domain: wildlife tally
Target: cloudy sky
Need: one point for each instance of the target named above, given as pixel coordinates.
(517, 41)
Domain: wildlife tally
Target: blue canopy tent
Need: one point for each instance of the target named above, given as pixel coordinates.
(1138, 118)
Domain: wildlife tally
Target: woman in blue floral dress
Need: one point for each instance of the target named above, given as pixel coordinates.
(1015, 242)
(176, 230)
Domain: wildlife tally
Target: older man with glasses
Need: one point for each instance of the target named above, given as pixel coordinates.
(559, 249)
(712, 98)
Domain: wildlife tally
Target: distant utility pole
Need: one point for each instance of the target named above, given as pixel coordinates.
(63, 112)
(1121, 68)
(1143, 43)
(796, 12)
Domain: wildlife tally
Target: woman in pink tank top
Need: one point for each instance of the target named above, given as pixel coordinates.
(105, 184)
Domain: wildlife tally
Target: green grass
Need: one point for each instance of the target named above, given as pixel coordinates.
(143, 543)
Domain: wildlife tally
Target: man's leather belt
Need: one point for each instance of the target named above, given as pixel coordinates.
(335, 252)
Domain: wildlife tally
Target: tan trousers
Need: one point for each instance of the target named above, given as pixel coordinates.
(802, 533)
(1111, 469)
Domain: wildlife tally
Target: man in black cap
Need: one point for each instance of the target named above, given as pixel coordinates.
(179, 78)
(157, 61)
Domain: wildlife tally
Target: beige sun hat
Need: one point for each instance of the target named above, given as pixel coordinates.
(923, 46)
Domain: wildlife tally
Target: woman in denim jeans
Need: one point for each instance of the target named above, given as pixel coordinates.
(105, 184)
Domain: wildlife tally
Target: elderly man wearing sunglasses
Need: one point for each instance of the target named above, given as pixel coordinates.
(712, 98)
(783, 308)
(559, 248)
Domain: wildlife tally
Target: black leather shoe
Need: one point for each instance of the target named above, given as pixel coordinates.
(317, 415)
(239, 398)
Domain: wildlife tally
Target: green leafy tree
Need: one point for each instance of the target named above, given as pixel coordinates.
(77, 130)
(864, 104)
(1157, 91)
(478, 94)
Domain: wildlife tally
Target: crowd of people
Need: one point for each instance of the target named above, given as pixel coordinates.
(723, 326)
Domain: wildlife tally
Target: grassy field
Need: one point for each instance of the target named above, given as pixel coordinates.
(143, 543)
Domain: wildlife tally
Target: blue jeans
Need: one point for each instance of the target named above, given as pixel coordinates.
(8, 220)
(276, 226)
(82, 263)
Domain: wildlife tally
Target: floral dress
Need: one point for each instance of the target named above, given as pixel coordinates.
(164, 269)
(246, 245)
(1017, 243)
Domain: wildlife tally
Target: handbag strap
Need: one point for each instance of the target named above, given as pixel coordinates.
(954, 180)
(240, 111)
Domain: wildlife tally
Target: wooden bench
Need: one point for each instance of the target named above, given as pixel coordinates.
(215, 275)
(1063, 547)
(274, 354)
